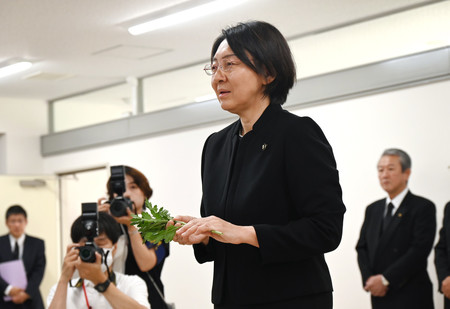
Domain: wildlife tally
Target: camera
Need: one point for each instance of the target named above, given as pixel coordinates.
(120, 203)
(89, 220)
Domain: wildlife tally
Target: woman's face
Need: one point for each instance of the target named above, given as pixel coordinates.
(134, 193)
(239, 90)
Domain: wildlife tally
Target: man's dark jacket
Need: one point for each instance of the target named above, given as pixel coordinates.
(399, 253)
(34, 261)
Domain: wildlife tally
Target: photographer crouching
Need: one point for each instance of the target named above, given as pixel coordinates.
(95, 238)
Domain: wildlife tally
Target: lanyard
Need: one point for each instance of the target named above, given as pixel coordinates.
(85, 296)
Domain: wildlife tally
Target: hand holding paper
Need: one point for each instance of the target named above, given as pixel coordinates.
(13, 272)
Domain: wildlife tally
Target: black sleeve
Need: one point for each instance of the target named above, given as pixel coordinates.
(204, 253)
(363, 252)
(36, 272)
(313, 184)
(441, 258)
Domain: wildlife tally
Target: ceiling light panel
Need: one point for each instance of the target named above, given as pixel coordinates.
(183, 16)
(14, 68)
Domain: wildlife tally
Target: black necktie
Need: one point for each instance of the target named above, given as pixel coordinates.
(388, 216)
(16, 251)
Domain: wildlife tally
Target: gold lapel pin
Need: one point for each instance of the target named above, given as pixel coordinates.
(400, 215)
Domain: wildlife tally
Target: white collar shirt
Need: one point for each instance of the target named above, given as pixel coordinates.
(131, 285)
(20, 242)
(396, 201)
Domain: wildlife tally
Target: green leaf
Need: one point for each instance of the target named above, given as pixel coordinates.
(152, 226)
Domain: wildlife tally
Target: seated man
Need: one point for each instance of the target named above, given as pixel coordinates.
(98, 286)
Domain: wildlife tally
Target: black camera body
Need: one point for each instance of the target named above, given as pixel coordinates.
(89, 220)
(119, 203)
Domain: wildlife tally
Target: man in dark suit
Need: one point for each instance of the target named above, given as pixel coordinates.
(17, 245)
(396, 238)
(442, 257)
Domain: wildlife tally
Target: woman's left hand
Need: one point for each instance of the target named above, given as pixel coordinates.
(198, 230)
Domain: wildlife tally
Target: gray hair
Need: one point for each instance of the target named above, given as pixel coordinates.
(405, 160)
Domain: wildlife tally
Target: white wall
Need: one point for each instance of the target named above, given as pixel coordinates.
(22, 122)
(414, 119)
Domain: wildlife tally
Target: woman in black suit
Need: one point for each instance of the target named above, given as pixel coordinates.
(270, 183)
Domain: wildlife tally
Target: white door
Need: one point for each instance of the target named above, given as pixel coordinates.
(77, 187)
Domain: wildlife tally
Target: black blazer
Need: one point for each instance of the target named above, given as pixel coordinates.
(281, 178)
(34, 261)
(400, 253)
(131, 268)
(442, 251)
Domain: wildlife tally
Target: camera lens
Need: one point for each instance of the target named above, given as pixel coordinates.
(119, 206)
(87, 254)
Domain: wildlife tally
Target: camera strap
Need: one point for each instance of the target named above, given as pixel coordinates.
(79, 283)
(157, 289)
(85, 297)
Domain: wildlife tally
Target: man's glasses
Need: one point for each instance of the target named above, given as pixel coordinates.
(224, 66)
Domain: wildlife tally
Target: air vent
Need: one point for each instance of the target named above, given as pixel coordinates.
(32, 183)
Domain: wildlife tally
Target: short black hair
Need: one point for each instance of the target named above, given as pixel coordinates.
(106, 224)
(15, 210)
(270, 52)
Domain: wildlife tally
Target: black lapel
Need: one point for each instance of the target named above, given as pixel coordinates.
(377, 221)
(26, 254)
(232, 140)
(5, 244)
(396, 219)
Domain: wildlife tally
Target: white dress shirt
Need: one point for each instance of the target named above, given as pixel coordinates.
(396, 201)
(131, 285)
(20, 241)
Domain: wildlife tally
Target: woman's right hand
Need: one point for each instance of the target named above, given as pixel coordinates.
(178, 238)
(103, 204)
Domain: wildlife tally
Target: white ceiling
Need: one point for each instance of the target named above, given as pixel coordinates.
(86, 44)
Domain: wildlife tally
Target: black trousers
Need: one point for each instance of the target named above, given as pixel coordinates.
(446, 303)
(316, 301)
